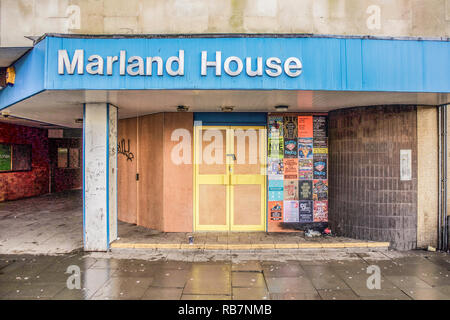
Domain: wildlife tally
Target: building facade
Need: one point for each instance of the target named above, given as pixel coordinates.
(257, 115)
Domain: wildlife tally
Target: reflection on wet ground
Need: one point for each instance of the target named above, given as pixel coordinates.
(412, 275)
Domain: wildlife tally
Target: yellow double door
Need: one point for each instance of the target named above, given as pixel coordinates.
(229, 181)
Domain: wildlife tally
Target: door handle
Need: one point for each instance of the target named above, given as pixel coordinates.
(232, 155)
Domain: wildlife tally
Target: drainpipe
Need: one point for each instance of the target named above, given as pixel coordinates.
(443, 221)
(444, 193)
(440, 177)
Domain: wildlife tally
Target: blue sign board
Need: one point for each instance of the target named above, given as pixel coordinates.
(234, 63)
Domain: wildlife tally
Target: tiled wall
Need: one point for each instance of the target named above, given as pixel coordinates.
(16, 185)
(368, 200)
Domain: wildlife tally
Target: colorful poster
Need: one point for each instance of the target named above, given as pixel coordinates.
(305, 126)
(306, 211)
(275, 127)
(320, 153)
(305, 169)
(320, 142)
(290, 148)
(290, 168)
(276, 211)
(305, 190)
(320, 168)
(290, 189)
(290, 124)
(320, 211)
(319, 126)
(275, 190)
(320, 190)
(290, 211)
(305, 148)
(276, 147)
(5, 157)
(275, 169)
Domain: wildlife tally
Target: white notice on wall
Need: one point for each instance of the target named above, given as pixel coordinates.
(405, 165)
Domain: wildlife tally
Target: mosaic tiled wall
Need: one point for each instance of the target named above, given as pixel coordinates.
(297, 170)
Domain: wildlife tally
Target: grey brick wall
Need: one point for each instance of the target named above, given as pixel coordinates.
(366, 197)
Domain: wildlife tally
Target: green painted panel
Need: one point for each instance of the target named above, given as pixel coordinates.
(5, 157)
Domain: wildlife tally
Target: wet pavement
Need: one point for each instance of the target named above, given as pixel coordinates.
(53, 223)
(333, 276)
(47, 224)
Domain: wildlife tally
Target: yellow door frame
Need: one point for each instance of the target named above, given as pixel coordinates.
(229, 179)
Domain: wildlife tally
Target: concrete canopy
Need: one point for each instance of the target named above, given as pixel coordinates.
(9, 55)
(63, 107)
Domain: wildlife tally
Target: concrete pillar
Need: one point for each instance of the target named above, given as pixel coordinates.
(99, 176)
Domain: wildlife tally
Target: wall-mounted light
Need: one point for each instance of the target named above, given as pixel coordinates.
(79, 120)
(182, 108)
(227, 109)
(5, 114)
(282, 108)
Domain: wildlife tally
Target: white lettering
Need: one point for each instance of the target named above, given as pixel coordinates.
(135, 62)
(174, 65)
(159, 63)
(206, 63)
(95, 65)
(239, 66)
(64, 61)
(273, 63)
(180, 61)
(122, 61)
(109, 64)
(248, 67)
(293, 70)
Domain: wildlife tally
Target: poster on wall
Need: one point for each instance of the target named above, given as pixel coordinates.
(5, 157)
(290, 148)
(290, 169)
(290, 127)
(319, 126)
(275, 190)
(275, 127)
(320, 142)
(305, 148)
(276, 148)
(290, 211)
(320, 153)
(275, 169)
(320, 190)
(305, 169)
(306, 211)
(321, 211)
(320, 168)
(276, 211)
(297, 168)
(290, 189)
(305, 190)
(305, 126)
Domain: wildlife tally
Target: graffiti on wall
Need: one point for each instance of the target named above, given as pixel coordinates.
(124, 149)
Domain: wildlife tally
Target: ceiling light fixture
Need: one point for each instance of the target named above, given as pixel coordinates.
(227, 109)
(182, 108)
(282, 108)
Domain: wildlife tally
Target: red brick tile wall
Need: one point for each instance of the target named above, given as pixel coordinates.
(16, 185)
